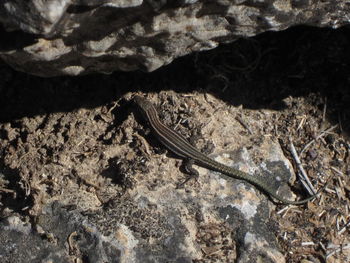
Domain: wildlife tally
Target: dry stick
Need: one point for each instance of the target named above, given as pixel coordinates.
(339, 121)
(6, 190)
(116, 103)
(309, 243)
(241, 121)
(318, 137)
(339, 248)
(341, 231)
(323, 247)
(324, 109)
(283, 209)
(302, 175)
(337, 171)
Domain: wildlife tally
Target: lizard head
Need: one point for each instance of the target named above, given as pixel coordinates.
(144, 104)
(146, 107)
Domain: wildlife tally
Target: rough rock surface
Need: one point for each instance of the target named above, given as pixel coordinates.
(221, 220)
(61, 236)
(62, 37)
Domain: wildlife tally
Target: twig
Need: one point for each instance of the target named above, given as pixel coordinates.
(283, 209)
(301, 124)
(337, 171)
(309, 243)
(178, 123)
(302, 175)
(242, 122)
(323, 247)
(324, 109)
(6, 190)
(318, 137)
(115, 104)
(339, 121)
(341, 231)
(339, 248)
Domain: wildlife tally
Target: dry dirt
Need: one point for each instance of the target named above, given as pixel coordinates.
(73, 139)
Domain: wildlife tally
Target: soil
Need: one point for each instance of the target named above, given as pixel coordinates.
(58, 136)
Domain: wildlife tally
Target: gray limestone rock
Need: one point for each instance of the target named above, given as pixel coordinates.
(70, 37)
(223, 219)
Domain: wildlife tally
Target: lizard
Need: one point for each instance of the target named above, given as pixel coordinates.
(177, 144)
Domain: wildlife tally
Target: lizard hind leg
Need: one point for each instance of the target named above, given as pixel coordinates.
(190, 171)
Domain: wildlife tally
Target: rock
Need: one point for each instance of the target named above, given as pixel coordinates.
(50, 38)
(19, 244)
(61, 236)
(222, 219)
